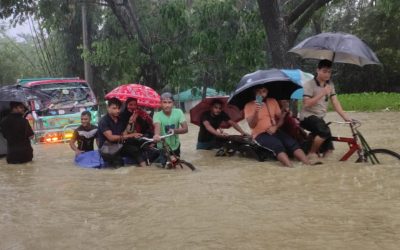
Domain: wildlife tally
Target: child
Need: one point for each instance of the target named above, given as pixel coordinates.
(84, 135)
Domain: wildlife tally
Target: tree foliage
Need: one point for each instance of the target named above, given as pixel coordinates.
(210, 43)
(177, 44)
(18, 59)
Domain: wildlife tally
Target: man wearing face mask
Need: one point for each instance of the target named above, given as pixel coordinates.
(317, 93)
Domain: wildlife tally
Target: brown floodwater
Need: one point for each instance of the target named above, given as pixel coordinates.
(230, 203)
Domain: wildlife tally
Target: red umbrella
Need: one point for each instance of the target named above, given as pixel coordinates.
(146, 96)
(205, 105)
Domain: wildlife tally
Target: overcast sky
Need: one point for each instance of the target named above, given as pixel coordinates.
(19, 29)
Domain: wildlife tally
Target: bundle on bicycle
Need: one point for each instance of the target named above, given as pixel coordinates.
(358, 144)
(167, 158)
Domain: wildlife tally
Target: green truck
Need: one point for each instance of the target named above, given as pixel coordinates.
(53, 120)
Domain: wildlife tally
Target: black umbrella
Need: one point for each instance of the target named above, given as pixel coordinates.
(18, 93)
(336, 47)
(279, 86)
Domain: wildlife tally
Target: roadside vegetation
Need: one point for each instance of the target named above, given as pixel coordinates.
(371, 101)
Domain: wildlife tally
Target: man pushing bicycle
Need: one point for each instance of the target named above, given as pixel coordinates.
(169, 120)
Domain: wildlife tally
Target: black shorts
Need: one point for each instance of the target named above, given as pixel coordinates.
(317, 126)
(278, 142)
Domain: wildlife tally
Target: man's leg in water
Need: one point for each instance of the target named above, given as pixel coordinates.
(284, 159)
(318, 127)
(274, 144)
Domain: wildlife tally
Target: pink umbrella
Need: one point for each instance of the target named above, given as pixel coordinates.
(146, 96)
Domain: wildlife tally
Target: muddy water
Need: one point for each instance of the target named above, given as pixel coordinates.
(230, 203)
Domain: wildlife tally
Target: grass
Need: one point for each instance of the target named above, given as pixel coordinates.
(371, 101)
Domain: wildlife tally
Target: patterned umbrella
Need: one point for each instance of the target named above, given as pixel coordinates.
(146, 96)
(205, 105)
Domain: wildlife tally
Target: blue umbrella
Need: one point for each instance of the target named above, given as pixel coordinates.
(300, 77)
(279, 85)
(298, 94)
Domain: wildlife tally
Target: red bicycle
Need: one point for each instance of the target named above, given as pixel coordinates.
(357, 143)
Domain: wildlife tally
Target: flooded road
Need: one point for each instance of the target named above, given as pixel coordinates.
(230, 203)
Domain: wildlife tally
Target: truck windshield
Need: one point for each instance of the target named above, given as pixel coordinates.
(66, 95)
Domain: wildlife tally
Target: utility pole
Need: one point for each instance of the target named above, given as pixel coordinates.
(87, 66)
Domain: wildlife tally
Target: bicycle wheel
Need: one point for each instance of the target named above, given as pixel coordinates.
(185, 165)
(385, 156)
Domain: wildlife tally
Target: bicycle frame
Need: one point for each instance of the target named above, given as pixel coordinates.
(361, 148)
(165, 150)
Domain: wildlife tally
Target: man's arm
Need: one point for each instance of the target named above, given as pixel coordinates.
(212, 130)
(127, 135)
(253, 119)
(237, 127)
(280, 117)
(338, 108)
(157, 131)
(73, 146)
(183, 129)
(311, 101)
(113, 138)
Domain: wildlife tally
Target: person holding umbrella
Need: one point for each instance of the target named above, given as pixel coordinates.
(265, 118)
(317, 93)
(330, 47)
(18, 132)
(211, 135)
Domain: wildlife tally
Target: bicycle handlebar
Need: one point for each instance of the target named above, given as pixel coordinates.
(152, 139)
(353, 122)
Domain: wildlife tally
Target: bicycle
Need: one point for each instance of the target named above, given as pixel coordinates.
(171, 160)
(357, 143)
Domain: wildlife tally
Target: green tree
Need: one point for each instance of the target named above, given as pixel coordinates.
(283, 21)
(19, 59)
(384, 37)
(227, 43)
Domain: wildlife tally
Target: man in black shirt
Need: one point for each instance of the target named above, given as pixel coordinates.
(210, 134)
(18, 132)
(84, 135)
